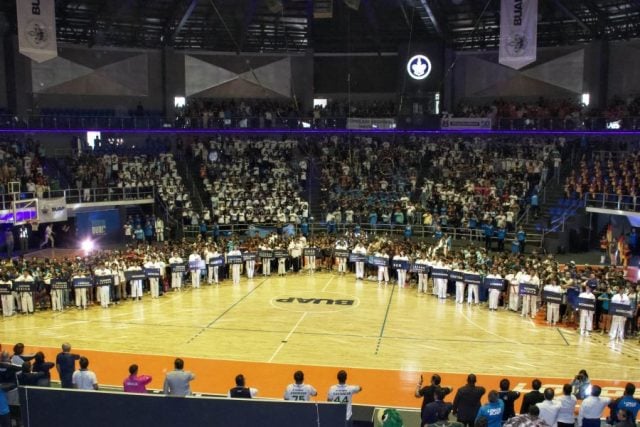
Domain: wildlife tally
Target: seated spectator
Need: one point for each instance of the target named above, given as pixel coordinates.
(240, 391)
(84, 379)
(135, 383)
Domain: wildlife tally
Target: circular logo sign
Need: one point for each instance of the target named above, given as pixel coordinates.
(315, 302)
(37, 33)
(516, 44)
(419, 67)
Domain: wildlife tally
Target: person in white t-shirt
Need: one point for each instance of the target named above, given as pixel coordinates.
(299, 391)
(84, 379)
(342, 392)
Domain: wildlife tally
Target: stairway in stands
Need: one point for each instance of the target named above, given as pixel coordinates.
(313, 193)
(189, 170)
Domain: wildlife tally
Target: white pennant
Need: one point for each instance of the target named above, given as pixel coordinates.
(518, 32)
(37, 29)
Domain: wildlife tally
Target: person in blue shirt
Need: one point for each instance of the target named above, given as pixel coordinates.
(501, 235)
(492, 410)
(5, 416)
(488, 235)
(408, 232)
(304, 228)
(626, 403)
(535, 205)
(522, 239)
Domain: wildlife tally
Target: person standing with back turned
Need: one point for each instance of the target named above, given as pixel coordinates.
(467, 401)
(343, 393)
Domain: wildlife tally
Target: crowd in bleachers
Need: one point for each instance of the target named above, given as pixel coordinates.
(21, 162)
(235, 113)
(435, 182)
(507, 109)
(606, 179)
(250, 181)
(133, 175)
(338, 109)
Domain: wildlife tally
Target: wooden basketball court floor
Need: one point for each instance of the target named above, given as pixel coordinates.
(268, 327)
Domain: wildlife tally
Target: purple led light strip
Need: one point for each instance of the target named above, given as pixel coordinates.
(326, 131)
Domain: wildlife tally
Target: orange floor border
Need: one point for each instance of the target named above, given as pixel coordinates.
(389, 388)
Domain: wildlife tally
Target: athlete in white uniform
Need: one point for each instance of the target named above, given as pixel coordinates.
(617, 322)
(586, 316)
(299, 391)
(343, 393)
(553, 308)
(359, 249)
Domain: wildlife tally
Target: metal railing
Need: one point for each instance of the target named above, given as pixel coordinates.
(85, 195)
(612, 201)
(419, 231)
(66, 122)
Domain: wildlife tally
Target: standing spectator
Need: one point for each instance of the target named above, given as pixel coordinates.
(617, 322)
(428, 392)
(66, 365)
(342, 392)
(549, 410)
(48, 236)
(591, 408)
(509, 398)
(299, 390)
(8, 241)
(27, 377)
(492, 410)
(40, 365)
(467, 401)
(437, 410)
(135, 383)
(533, 397)
(5, 415)
(176, 383)
(240, 391)
(626, 403)
(566, 415)
(84, 379)
(23, 235)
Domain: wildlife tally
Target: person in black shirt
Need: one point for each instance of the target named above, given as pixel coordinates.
(66, 365)
(428, 392)
(437, 410)
(533, 397)
(467, 401)
(240, 391)
(40, 365)
(509, 398)
(26, 377)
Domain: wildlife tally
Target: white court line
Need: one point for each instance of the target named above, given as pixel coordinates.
(486, 330)
(328, 283)
(288, 336)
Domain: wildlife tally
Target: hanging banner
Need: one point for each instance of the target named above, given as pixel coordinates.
(52, 210)
(37, 29)
(464, 123)
(518, 32)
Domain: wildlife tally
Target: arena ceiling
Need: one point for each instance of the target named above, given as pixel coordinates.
(325, 25)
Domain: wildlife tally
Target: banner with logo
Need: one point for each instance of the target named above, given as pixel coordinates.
(37, 29)
(464, 123)
(52, 210)
(370, 123)
(518, 32)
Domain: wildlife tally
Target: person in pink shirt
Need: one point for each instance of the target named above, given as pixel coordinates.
(135, 383)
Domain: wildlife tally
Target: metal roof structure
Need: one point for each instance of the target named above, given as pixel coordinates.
(325, 25)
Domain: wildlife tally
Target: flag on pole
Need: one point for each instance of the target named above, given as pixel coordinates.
(518, 32)
(37, 29)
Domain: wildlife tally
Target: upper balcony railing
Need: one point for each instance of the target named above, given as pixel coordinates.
(66, 122)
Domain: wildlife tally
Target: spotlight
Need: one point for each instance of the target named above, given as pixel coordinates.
(87, 245)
